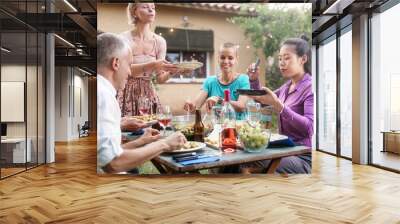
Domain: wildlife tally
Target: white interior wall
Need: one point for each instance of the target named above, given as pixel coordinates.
(14, 73)
(61, 103)
(80, 96)
(34, 124)
(70, 84)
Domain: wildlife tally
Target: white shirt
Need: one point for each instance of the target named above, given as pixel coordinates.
(108, 123)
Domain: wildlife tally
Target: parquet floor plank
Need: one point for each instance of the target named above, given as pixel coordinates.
(70, 191)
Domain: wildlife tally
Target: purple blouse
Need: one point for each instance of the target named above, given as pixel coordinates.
(297, 117)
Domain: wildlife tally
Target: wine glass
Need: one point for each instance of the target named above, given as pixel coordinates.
(144, 106)
(216, 119)
(192, 75)
(216, 112)
(188, 112)
(164, 117)
(253, 113)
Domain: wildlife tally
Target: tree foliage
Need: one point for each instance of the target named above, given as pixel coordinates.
(273, 24)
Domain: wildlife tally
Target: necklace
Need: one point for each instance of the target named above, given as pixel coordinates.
(226, 82)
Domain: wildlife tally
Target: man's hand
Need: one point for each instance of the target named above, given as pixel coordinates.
(174, 141)
(150, 135)
(132, 124)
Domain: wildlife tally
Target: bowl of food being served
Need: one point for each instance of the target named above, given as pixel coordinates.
(254, 139)
(189, 65)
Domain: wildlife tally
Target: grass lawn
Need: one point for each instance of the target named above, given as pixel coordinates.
(149, 168)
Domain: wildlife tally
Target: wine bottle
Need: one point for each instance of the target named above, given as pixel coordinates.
(198, 128)
(228, 134)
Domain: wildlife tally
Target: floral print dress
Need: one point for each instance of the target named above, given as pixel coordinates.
(138, 87)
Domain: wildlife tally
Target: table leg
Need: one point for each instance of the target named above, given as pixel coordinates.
(273, 165)
(159, 167)
(252, 170)
(162, 168)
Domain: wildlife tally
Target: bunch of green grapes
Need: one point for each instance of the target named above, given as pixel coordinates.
(252, 137)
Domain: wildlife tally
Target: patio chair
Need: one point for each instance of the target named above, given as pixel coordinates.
(84, 130)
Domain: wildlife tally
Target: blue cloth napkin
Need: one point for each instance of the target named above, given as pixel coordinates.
(200, 160)
(288, 142)
(138, 132)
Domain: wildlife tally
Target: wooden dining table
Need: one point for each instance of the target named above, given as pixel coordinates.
(167, 165)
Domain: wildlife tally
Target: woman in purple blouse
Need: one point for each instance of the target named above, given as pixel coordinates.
(294, 102)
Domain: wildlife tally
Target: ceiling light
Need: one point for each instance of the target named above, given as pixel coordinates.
(70, 5)
(5, 50)
(64, 40)
(338, 6)
(86, 72)
(171, 30)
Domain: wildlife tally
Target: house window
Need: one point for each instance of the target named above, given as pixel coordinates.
(187, 45)
(181, 56)
(327, 96)
(173, 57)
(345, 83)
(385, 86)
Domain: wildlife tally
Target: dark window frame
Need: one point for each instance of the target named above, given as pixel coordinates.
(328, 38)
(43, 54)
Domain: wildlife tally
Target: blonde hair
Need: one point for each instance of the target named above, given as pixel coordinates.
(228, 45)
(130, 13)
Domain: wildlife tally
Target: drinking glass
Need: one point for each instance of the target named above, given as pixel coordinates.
(216, 114)
(266, 117)
(144, 106)
(253, 113)
(164, 117)
(187, 118)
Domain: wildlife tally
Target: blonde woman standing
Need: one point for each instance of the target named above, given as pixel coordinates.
(146, 47)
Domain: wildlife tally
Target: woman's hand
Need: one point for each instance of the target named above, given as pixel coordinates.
(150, 135)
(253, 72)
(211, 101)
(189, 106)
(185, 71)
(269, 99)
(164, 65)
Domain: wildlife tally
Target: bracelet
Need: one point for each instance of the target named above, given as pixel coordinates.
(143, 70)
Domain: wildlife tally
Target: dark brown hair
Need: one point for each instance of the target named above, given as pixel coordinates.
(302, 47)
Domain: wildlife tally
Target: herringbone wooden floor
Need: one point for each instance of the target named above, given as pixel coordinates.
(69, 191)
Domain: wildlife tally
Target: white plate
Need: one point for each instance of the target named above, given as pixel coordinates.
(151, 123)
(201, 145)
(189, 65)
